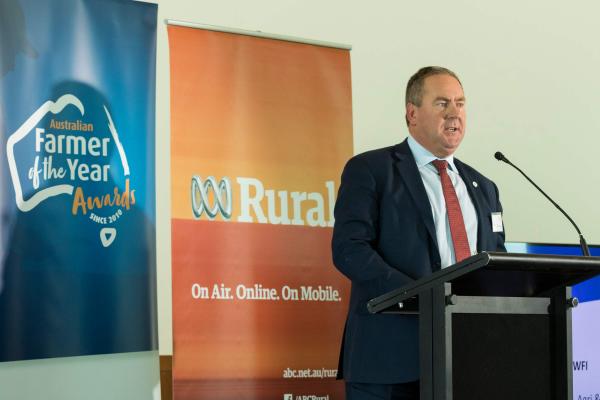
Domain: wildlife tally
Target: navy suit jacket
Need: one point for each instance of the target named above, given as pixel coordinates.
(383, 238)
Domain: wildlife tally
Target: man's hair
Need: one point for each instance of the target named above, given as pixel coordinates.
(414, 87)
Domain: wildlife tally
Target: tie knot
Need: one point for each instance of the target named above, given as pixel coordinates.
(441, 165)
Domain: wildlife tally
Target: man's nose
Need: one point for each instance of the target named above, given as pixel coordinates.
(451, 111)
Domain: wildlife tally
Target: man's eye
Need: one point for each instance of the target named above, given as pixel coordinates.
(460, 105)
(441, 104)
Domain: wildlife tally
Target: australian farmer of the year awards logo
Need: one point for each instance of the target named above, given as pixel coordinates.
(70, 147)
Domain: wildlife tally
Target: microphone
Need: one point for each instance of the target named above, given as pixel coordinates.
(583, 244)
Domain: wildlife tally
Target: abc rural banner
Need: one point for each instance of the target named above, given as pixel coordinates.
(77, 242)
(261, 129)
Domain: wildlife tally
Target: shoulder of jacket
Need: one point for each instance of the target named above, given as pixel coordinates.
(375, 156)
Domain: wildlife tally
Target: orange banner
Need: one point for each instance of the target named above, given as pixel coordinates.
(261, 129)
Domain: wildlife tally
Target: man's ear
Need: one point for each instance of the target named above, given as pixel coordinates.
(411, 113)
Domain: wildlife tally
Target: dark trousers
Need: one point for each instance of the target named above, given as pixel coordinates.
(373, 391)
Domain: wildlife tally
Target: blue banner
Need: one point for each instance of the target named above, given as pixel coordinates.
(77, 227)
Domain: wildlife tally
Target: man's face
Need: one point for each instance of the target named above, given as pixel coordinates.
(439, 123)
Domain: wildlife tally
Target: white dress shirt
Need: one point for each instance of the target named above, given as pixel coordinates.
(433, 187)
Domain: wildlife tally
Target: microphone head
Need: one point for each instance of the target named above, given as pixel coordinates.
(500, 157)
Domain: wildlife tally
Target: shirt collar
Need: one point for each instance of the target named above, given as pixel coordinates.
(423, 156)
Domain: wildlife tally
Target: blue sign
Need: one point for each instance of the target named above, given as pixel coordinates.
(77, 241)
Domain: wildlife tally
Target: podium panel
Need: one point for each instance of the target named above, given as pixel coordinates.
(501, 356)
(495, 326)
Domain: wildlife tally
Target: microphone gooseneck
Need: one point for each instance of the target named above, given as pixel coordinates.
(583, 244)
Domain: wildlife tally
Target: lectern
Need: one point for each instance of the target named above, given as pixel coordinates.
(495, 326)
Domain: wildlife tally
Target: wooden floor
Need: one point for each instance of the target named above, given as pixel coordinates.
(166, 377)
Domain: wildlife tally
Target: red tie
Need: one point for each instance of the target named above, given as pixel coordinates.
(455, 217)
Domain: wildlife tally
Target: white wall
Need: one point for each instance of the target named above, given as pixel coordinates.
(529, 72)
(128, 376)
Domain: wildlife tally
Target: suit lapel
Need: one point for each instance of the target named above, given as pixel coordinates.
(475, 195)
(407, 168)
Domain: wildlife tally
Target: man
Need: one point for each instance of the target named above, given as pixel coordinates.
(392, 227)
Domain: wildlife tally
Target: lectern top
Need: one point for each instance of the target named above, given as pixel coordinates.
(499, 274)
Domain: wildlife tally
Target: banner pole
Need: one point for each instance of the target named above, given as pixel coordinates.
(260, 34)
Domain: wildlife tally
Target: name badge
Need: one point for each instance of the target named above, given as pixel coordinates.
(497, 222)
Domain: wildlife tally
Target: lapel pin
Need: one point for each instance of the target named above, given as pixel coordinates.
(475, 184)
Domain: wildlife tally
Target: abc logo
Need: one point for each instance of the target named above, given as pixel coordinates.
(201, 196)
